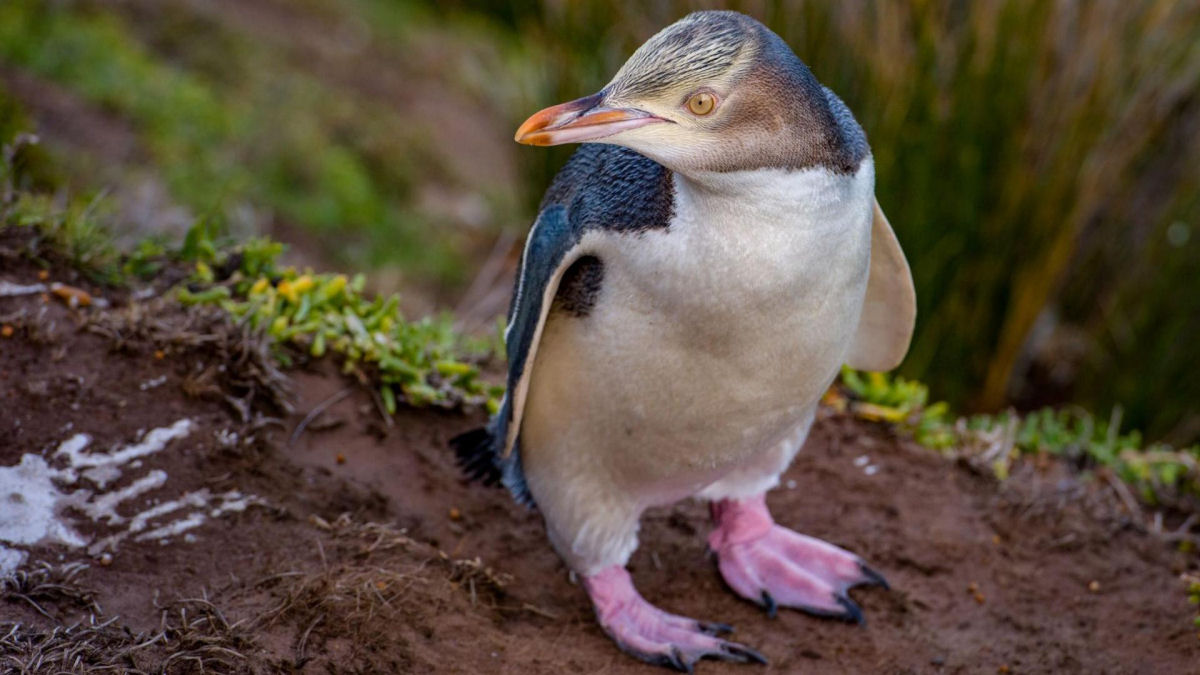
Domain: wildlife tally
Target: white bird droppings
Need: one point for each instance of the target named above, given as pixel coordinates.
(9, 289)
(31, 503)
(153, 442)
(33, 497)
(11, 559)
(150, 384)
(105, 505)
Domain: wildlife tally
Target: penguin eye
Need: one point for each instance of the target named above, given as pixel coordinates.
(701, 103)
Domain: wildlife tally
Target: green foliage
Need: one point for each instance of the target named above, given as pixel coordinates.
(900, 401)
(241, 127)
(25, 163)
(418, 361)
(1157, 472)
(72, 232)
(146, 259)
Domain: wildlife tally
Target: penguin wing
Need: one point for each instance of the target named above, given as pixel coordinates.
(489, 454)
(890, 308)
(552, 246)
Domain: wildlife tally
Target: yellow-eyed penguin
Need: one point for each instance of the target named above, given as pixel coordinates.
(698, 273)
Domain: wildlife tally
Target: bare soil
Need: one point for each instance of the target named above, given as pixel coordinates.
(368, 553)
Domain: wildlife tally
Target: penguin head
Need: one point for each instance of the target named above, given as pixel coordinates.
(715, 91)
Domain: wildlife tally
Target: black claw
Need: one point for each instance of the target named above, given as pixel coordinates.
(671, 660)
(744, 654)
(714, 627)
(853, 613)
(768, 604)
(678, 661)
(873, 578)
(728, 651)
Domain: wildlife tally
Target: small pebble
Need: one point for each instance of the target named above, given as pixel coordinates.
(1094, 587)
(871, 470)
(862, 461)
(791, 484)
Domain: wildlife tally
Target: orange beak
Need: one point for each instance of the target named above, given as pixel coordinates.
(579, 121)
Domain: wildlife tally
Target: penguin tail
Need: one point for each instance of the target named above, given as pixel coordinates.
(476, 453)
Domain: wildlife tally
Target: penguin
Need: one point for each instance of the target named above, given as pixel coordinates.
(696, 276)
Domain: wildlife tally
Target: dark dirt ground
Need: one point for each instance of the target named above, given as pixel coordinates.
(369, 554)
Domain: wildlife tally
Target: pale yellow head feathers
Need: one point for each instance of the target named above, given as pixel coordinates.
(701, 49)
(712, 92)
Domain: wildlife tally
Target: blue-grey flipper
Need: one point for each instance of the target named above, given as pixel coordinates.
(490, 454)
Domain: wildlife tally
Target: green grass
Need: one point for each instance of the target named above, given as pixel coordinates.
(73, 232)
(418, 363)
(241, 128)
(1158, 473)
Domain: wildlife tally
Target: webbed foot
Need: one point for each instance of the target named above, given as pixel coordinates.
(774, 566)
(655, 636)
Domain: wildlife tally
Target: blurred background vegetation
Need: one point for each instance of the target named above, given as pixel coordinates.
(1040, 161)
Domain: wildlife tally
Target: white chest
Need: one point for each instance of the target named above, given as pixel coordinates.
(774, 262)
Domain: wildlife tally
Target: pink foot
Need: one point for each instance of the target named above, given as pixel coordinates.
(654, 636)
(773, 566)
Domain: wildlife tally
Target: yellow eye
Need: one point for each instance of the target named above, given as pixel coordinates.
(701, 103)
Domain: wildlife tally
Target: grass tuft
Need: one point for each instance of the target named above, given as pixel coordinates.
(1159, 474)
(45, 585)
(305, 313)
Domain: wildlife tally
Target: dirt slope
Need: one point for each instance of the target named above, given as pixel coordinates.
(262, 572)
